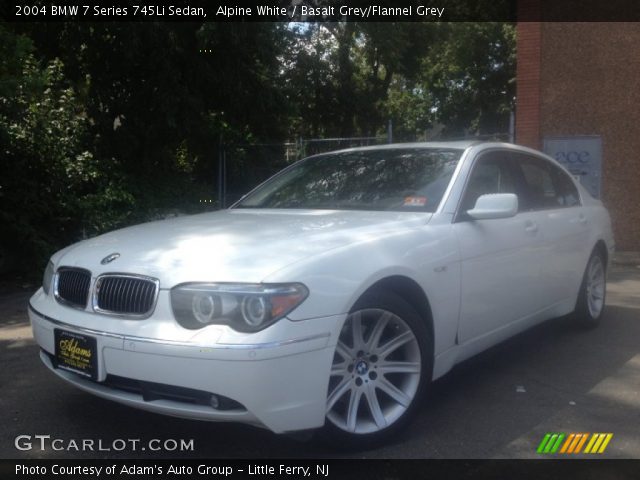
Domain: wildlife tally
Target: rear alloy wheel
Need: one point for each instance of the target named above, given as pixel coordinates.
(381, 364)
(591, 299)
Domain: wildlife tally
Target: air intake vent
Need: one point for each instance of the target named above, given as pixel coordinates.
(72, 286)
(121, 294)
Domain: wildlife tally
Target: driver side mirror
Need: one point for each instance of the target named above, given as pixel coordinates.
(494, 205)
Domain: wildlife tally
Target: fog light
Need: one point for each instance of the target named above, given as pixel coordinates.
(214, 402)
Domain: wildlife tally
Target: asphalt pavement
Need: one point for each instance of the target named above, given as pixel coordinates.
(499, 404)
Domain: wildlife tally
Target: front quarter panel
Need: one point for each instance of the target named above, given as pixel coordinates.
(426, 254)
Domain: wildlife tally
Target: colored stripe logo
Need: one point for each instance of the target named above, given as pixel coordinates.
(573, 443)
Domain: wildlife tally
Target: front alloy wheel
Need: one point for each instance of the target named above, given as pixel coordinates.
(378, 370)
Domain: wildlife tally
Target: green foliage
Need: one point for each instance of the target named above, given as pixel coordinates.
(105, 125)
(350, 79)
(409, 106)
(471, 76)
(45, 163)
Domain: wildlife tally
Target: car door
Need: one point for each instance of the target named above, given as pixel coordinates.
(500, 258)
(550, 195)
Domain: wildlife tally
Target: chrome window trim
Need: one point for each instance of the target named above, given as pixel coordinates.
(136, 316)
(63, 301)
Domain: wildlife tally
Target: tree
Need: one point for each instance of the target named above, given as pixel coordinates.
(113, 124)
(349, 79)
(45, 163)
(471, 77)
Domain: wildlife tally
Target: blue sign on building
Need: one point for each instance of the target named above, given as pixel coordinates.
(581, 156)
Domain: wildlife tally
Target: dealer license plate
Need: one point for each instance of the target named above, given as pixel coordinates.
(77, 353)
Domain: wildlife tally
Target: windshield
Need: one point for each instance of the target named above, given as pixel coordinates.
(403, 179)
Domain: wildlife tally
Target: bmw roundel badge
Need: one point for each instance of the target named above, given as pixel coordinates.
(109, 258)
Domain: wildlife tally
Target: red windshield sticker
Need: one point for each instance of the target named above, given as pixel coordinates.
(415, 201)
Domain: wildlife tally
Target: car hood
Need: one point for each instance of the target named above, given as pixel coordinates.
(238, 245)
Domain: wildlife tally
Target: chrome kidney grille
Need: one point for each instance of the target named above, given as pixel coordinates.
(121, 294)
(126, 295)
(71, 286)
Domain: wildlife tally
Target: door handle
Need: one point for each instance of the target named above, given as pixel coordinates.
(530, 227)
(582, 219)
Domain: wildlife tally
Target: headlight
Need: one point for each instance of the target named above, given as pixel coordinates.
(47, 279)
(244, 307)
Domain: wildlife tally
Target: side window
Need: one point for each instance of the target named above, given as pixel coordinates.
(545, 186)
(539, 192)
(490, 174)
(568, 195)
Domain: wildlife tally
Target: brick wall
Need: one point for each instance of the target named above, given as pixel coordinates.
(590, 84)
(584, 79)
(528, 76)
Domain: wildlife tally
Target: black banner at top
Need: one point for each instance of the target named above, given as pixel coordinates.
(319, 10)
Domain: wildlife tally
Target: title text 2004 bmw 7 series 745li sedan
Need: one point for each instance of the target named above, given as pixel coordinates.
(331, 295)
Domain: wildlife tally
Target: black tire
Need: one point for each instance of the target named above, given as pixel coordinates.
(592, 296)
(395, 414)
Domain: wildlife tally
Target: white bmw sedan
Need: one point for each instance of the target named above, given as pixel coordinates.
(331, 295)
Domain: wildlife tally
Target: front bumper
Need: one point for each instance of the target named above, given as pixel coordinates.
(280, 384)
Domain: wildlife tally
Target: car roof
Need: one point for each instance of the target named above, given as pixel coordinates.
(457, 144)
(461, 145)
